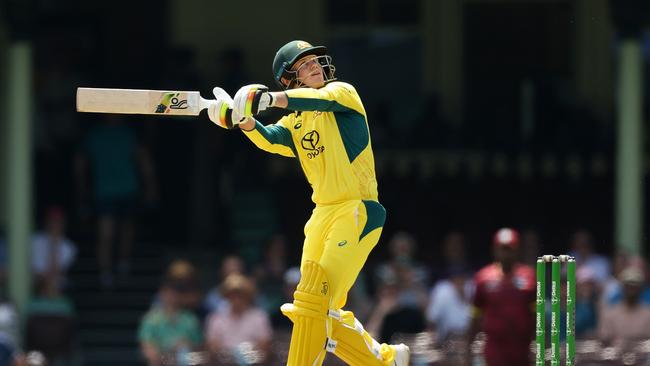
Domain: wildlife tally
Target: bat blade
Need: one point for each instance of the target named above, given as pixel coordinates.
(139, 101)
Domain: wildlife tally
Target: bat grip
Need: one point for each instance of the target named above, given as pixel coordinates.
(205, 103)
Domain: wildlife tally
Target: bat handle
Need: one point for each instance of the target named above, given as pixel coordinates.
(205, 103)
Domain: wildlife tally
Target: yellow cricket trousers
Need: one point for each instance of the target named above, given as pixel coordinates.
(339, 237)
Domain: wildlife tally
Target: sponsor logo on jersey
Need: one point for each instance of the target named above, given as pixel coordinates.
(342, 243)
(310, 142)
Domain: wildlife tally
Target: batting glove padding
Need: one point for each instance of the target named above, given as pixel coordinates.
(251, 100)
(220, 112)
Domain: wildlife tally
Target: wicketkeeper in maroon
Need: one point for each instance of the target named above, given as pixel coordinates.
(503, 306)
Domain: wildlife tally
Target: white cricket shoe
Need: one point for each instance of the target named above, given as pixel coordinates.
(402, 355)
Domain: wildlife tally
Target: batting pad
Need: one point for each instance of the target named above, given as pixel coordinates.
(309, 315)
(352, 344)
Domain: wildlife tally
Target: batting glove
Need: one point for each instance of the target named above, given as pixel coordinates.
(220, 110)
(251, 100)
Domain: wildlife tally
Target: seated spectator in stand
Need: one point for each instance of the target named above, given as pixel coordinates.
(453, 256)
(583, 250)
(279, 321)
(9, 335)
(628, 321)
(52, 251)
(412, 276)
(50, 322)
(168, 330)
(530, 245)
(243, 328)
(359, 298)
(614, 287)
(449, 309)
(396, 310)
(4, 258)
(214, 299)
(186, 280)
(586, 303)
(269, 274)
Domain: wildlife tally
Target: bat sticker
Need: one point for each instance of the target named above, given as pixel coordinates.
(178, 103)
(171, 101)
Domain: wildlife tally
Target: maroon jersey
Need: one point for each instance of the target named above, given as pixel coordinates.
(506, 305)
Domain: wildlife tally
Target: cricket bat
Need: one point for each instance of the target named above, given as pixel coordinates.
(140, 101)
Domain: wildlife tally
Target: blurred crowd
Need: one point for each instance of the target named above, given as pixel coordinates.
(454, 312)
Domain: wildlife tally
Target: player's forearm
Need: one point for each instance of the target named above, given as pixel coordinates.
(248, 124)
(272, 138)
(280, 99)
(150, 353)
(308, 99)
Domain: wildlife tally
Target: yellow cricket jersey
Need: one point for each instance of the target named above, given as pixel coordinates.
(329, 135)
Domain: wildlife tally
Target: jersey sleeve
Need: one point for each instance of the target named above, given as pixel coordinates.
(333, 97)
(275, 138)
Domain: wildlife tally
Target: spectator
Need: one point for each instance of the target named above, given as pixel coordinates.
(449, 309)
(48, 299)
(583, 250)
(117, 163)
(51, 322)
(614, 287)
(167, 329)
(503, 304)
(52, 251)
(279, 322)
(269, 274)
(530, 245)
(454, 255)
(186, 282)
(586, 303)
(242, 326)
(214, 300)
(359, 298)
(9, 334)
(411, 274)
(628, 321)
(394, 313)
(4, 261)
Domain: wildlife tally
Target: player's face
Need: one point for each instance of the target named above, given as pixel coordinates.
(309, 72)
(505, 254)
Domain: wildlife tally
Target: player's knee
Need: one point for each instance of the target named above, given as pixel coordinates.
(312, 296)
(313, 280)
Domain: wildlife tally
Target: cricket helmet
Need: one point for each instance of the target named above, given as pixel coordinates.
(293, 51)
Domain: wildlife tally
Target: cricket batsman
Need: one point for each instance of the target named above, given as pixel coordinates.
(328, 134)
